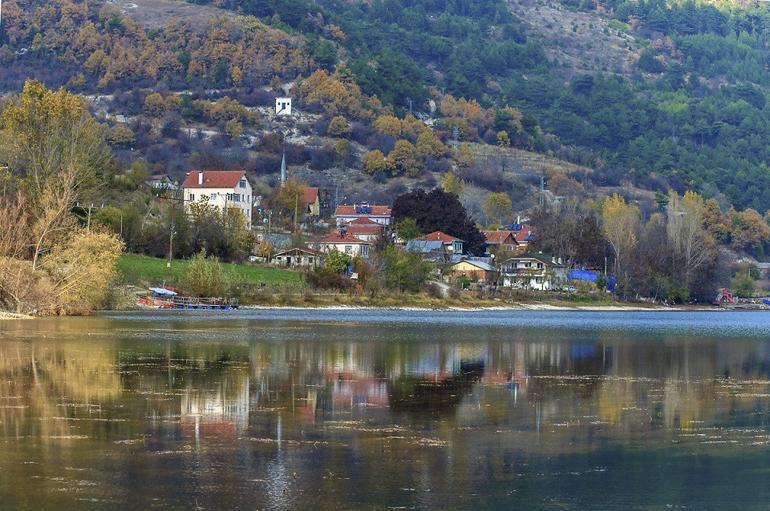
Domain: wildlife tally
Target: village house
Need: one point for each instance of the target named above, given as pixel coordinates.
(522, 233)
(451, 244)
(472, 269)
(433, 251)
(298, 258)
(344, 214)
(504, 240)
(311, 205)
(162, 183)
(220, 188)
(342, 242)
(533, 271)
(365, 229)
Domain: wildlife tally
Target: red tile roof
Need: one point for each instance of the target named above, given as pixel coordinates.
(214, 178)
(500, 237)
(438, 236)
(337, 238)
(364, 229)
(311, 195)
(364, 221)
(350, 210)
(520, 235)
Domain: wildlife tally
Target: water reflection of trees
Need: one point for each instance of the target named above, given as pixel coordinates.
(55, 380)
(181, 390)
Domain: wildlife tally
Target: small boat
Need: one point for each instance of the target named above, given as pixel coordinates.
(162, 298)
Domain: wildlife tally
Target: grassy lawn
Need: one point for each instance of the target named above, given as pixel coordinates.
(138, 269)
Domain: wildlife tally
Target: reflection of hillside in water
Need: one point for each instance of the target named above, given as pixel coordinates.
(239, 422)
(227, 391)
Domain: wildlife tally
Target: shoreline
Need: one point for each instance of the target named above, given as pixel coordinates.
(533, 307)
(512, 307)
(13, 315)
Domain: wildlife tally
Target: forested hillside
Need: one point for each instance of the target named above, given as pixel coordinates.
(691, 113)
(651, 94)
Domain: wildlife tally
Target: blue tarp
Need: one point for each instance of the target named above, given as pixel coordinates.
(592, 276)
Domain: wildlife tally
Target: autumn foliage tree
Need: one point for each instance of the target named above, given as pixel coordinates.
(373, 162)
(620, 222)
(498, 207)
(691, 244)
(44, 133)
(404, 160)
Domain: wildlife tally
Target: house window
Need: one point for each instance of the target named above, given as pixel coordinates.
(539, 266)
(528, 265)
(192, 196)
(242, 183)
(348, 249)
(237, 197)
(214, 196)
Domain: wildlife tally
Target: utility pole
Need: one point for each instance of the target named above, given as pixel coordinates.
(284, 174)
(542, 191)
(336, 194)
(171, 234)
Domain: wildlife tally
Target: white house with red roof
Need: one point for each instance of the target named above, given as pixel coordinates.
(346, 213)
(344, 242)
(364, 229)
(221, 188)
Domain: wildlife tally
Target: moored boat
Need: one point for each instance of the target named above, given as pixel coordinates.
(163, 298)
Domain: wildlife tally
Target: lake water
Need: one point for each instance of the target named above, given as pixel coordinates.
(339, 410)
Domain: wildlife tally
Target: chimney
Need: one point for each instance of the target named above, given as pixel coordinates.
(518, 219)
(200, 178)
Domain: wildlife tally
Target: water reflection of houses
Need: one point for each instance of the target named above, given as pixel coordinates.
(557, 380)
(221, 413)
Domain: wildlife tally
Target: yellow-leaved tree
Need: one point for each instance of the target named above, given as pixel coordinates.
(691, 244)
(56, 152)
(80, 270)
(620, 222)
(451, 183)
(498, 207)
(373, 162)
(44, 133)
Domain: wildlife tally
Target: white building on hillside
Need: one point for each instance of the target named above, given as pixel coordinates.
(346, 213)
(221, 188)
